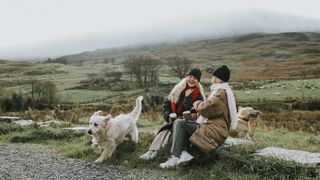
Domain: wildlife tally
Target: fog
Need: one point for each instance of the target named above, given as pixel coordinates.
(173, 26)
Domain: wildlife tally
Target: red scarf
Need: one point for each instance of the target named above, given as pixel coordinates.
(195, 93)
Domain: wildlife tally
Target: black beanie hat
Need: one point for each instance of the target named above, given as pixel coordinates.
(222, 72)
(195, 72)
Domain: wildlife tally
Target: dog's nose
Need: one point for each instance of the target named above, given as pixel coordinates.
(89, 131)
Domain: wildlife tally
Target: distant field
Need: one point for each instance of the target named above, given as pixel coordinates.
(277, 90)
(264, 66)
(281, 90)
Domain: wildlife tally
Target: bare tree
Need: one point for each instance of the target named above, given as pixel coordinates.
(113, 75)
(154, 67)
(143, 68)
(45, 92)
(133, 65)
(180, 65)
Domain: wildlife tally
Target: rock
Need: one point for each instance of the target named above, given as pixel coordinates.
(234, 141)
(9, 119)
(303, 157)
(23, 122)
(52, 123)
(76, 129)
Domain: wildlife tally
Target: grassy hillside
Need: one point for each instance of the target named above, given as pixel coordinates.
(264, 66)
(251, 56)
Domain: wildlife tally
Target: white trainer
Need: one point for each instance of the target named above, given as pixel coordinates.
(172, 162)
(185, 159)
(148, 155)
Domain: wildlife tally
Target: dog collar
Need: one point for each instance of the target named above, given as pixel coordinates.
(244, 119)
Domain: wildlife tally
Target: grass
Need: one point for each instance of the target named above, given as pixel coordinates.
(251, 57)
(282, 90)
(231, 163)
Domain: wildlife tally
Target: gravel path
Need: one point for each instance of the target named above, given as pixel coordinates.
(22, 161)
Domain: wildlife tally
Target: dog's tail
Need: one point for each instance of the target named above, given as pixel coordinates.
(137, 110)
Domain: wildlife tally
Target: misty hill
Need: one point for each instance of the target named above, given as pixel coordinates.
(203, 27)
(282, 55)
(267, 47)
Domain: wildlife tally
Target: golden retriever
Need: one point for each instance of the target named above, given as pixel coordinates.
(245, 115)
(107, 131)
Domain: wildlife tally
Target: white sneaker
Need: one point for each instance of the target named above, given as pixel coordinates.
(148, 155)
(172, 162)
(185, 159)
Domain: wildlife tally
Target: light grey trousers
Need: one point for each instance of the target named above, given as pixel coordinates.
(161, 140)
(182, 131)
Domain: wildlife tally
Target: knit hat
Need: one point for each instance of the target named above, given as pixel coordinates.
(195, 72)
(222, 72)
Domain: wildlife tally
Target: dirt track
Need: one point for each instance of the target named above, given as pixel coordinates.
(22, 161)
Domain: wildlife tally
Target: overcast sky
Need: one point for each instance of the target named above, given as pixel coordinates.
(27, 22)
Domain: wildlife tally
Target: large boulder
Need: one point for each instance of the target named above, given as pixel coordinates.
(8, 119)
(303, 157)
(23, 122)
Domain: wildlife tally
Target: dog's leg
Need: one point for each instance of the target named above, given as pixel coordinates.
(249, 129)
(96, 148)
(134, 135)
(110, 146)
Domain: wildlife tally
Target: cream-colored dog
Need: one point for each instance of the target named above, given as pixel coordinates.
(245, 115)
(107, 131)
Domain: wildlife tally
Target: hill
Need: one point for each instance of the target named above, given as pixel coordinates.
(283, 55)
(268, 66)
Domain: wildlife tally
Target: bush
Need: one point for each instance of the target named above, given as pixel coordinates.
(6, 128)
(36, 135)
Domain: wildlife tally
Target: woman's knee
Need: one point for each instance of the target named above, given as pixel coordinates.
(178, 122)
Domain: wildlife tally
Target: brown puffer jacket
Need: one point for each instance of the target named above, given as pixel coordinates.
(214, 132)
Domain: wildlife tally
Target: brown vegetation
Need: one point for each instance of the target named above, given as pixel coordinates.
(291, 120)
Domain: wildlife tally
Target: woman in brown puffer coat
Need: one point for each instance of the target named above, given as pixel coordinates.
(218, 116)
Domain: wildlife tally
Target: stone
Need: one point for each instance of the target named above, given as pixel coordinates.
(234, 141)
(303, 157)
(23, 122)
(76, 129)
(52, 123)
(9, 119)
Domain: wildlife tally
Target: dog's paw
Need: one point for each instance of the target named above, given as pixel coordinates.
(98, 161)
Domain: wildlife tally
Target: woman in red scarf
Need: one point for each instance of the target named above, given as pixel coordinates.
(180, 100)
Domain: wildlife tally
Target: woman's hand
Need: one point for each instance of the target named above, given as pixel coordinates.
(195, 104)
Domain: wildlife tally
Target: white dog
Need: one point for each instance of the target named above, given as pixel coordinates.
(107, 132)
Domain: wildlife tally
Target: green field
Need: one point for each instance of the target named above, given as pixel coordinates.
(265, 67)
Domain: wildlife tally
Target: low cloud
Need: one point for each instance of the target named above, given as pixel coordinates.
(209, 26)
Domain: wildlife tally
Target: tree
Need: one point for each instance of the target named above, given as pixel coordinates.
(45, 93)
(143, 68)
(133, 65)
(180, 65)
(17, 101)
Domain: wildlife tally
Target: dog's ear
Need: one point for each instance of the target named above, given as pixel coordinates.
(105, 121)
(239, 107)
(97, 113)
